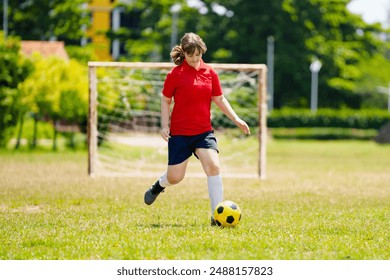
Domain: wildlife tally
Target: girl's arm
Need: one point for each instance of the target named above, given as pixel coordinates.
(165, 112)
(225, 107)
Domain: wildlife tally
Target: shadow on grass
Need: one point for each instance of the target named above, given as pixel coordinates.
(173, 226)
(163, 225)
(167, 226)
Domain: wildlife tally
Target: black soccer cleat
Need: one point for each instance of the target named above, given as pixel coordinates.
(152, 193)
(213, 223)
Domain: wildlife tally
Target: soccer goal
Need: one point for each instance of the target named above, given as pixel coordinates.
(124, 120)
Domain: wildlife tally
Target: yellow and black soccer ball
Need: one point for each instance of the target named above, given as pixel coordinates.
(227, 214)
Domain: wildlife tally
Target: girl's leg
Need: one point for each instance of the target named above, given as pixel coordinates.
(173, 175)
(211, 166)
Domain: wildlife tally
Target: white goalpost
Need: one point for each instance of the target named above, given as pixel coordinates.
(124, 120)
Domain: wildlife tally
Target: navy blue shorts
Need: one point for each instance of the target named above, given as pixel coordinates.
(182, 147)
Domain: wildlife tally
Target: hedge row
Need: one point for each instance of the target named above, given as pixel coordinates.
(323, 133)
(361, 119)
(294, 118)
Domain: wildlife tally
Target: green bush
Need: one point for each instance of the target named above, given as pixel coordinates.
(323, 133)
(13, 70)
(294, 118)
(346, 118)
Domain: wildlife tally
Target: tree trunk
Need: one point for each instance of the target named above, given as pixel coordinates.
(35, 133)
(55, 136)
(20, 131)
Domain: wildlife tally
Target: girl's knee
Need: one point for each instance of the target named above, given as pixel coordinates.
(212, 169)
(174, 178)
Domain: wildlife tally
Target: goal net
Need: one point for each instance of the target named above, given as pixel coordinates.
(124, 120)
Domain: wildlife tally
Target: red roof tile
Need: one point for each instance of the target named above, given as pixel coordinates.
(45, 48)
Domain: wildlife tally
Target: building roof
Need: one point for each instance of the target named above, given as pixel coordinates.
(45, 48)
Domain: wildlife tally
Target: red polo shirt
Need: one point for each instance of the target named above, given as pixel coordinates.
(191, 90)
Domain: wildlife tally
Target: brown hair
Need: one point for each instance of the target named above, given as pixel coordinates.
(188, 44)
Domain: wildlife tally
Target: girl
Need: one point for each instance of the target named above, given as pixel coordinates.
(192, 84)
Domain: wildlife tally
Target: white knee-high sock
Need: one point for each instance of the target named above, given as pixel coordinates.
(215, 187)
(164, 181)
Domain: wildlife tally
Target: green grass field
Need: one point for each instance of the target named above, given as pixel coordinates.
(321, 200)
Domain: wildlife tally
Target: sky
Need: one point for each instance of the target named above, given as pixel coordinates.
(371, 10)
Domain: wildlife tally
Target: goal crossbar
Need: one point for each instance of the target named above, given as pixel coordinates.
(93, 103)
(168, 65)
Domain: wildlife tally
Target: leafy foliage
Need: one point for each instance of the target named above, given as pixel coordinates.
(303, 30)
(57, 90)
(45, 19)
(354, 54)
(13, 70)
(346, 118)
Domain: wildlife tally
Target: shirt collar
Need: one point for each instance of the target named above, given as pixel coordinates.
(201, 66)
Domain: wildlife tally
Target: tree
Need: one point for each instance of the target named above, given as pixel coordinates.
(375, 73)
(236, 31)
(46, 19)
(58, 91)
(73, 101)
(342, 41)
(13, 70)
(146, 29)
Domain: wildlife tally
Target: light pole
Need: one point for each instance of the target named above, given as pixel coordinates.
(175, 9)
(270, 65)
(116, 24)
(5, 18)
(84, 40)
(315, 67)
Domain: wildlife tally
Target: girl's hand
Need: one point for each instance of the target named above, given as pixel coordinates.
(165, 133)
(243, 125)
